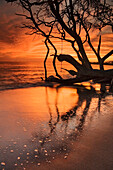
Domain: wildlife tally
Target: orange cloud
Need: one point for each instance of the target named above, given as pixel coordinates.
(16, 45)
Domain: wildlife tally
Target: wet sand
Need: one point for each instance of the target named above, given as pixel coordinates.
(92, 150)
(48, 128)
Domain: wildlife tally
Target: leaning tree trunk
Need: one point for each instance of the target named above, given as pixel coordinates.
(84, 74)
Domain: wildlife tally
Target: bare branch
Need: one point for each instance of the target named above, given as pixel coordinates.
(54, 59)
(98, 50)
(70, 60)
(107, 55)
(72, 16)
(79, 57)
(38, 3)
(46, 58)
(23, 15)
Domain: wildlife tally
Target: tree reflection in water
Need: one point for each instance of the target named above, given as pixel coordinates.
(57, 133)
(69, 125)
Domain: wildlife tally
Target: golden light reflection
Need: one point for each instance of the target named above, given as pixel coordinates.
(31, 134)
(63, 98)
(35, 102)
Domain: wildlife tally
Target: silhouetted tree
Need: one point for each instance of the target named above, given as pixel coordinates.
(70, 19)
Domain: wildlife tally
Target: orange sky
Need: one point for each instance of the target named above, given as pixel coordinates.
(14, 44)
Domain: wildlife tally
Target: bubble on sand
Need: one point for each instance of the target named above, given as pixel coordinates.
(36, 150)
(3, 163)
(40, 141)
(14, 143)
(53, 150)
(11, 151)
(38, 164)
(64, 149)
(49, 140)
(65, 157)
(25, 130)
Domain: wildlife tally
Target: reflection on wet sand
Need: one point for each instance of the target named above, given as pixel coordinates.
(39, 124)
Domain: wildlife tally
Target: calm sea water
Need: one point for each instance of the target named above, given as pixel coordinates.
(19, 74)
(22, 74)
(26, 74)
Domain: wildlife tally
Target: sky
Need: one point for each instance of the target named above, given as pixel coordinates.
(16, 45)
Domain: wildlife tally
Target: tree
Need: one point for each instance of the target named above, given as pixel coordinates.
(70, 19)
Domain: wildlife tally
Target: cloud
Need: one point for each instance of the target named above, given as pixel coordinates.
(7, 34)
(12, 38)
(8, 21)
(15, 44)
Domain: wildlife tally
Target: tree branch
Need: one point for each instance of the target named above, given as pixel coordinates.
(71, 60)
(98, 50)
(107, 55)
(46, 58)
(79, 57)
(54, 59)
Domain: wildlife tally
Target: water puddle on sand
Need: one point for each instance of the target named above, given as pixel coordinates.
(37, 125)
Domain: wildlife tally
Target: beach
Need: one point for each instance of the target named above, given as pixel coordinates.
(56, 128)
(56, 85)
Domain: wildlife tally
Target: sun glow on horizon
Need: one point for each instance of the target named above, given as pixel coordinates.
(15, 45)
(32, 47)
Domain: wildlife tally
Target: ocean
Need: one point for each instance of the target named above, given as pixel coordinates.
(16, 74)
(19, 74)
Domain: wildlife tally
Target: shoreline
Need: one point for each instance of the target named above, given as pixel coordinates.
(43, 128)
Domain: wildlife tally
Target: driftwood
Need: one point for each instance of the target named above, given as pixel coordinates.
(72, 72)
(68, 21)
(83, 73)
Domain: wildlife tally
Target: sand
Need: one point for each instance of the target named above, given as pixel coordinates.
(92, 150)
(35, 135)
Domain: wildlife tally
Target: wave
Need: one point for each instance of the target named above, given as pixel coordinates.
(26, 85)
(15, 75)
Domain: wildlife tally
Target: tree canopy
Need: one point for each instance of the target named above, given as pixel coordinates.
(69, 20)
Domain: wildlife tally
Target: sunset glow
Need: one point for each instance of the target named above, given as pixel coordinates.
(56, 84)
(16, 45)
